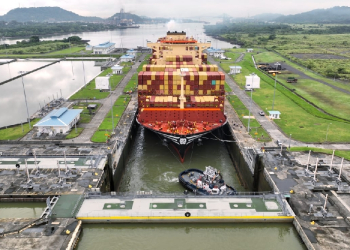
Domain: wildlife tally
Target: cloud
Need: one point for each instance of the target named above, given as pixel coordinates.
(179, 8)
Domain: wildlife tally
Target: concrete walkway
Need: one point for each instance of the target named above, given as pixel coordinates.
(107, 103)
(273, 130)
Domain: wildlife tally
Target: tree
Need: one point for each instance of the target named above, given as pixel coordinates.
(272, 37)
(34, 39)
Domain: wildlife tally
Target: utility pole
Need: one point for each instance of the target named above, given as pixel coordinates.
(25, 96)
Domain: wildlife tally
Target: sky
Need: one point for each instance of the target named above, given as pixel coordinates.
(177, 8)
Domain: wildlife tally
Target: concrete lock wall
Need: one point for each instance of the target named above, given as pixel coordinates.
(118, 161)
(244, 173)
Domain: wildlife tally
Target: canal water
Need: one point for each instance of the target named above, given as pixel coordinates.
(21, 209)
(190, 236)
(131, 38)
(40, 86)
(153, 166)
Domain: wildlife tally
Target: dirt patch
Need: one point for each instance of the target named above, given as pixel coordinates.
(318, 56)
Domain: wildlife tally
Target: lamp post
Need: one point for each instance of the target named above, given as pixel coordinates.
(250, 105)
(290, 137)
(327, 131)
(25, 97)
(110, 91)
(274, 90)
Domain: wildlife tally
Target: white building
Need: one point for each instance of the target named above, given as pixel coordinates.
(274, 114)
(104, 48)
(219, 53)
(249, 50)
(102, 82)
(235, 69)
(131, 52)
(252, 81)
(117, 69)
(58, 121)
(88, 47)
(127, 58)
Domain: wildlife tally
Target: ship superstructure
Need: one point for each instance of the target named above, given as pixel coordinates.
(179, 96)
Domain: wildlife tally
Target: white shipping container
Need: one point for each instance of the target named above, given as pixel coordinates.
(102, 82)
(252, 81)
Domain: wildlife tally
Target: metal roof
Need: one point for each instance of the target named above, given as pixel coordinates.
(59, 117)
(274, 112)
(104, 45)
(127, 56)
(235, 67)
(116, 67)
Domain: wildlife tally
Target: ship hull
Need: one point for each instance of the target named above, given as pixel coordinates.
(180, 143)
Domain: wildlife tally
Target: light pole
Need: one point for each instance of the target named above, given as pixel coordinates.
(290, 137)
(110, 91)
(25, 97)
(250, 105)
(327, 131)
(274, 90)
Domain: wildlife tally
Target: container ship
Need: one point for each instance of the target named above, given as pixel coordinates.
(180, 97)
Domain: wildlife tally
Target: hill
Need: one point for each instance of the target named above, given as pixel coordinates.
(46, 14)
(333, 15)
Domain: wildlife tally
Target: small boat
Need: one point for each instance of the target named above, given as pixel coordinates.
(209, 182)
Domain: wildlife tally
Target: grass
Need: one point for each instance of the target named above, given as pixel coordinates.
(256, 131)
(316, 92)
(90, 92)
(69, 51)
(339, 153)
(72, 133)
(104, 131)
(305, 122)
(85, 116)
(15, 132)
(132, 84)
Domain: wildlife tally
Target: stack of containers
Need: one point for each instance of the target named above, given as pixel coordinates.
(163, 81)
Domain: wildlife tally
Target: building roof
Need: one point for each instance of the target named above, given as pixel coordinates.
(274, 112)
(59, 117)
(127, 57)
(104, 45)
(131, 50)
(235, 67)
(211, 49)
(117, 67)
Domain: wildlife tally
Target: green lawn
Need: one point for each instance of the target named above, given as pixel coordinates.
(318, 93)
(104, 130)
(339, 153)
(85, 116)
(72, 133)
(303, 121)
(132, 84)
(256, 132)
(90, 92)
(68, 51)
(16, 132)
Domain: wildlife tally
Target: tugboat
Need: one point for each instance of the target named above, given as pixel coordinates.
(209, 182)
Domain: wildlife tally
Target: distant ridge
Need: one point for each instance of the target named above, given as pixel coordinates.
(46, 14)
(332, 15)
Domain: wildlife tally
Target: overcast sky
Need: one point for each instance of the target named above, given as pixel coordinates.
(178, 8)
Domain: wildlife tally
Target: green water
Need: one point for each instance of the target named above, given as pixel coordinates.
(192, 236)
(21, 210)
(153, 166)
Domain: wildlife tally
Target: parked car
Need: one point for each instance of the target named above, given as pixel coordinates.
(261, 113)
(246, 89)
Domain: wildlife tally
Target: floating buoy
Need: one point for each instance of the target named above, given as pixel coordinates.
(291, 191)
(67, 232)
(312, 223)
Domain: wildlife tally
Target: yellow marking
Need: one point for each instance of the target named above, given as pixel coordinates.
(178, 217)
